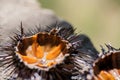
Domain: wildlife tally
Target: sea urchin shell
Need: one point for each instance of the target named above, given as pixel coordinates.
(107, 67)
(41, 55)
(42, 50)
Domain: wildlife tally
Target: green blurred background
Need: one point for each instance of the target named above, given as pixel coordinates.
(99, 19)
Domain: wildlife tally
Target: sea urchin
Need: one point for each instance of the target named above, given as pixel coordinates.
(41, 55)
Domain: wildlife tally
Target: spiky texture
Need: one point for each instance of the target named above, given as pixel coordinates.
(107, 66)
(80, 52)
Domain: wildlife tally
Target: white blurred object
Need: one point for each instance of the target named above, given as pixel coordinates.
(12, 12)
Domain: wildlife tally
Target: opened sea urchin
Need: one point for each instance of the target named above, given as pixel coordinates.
(41, 55)
(107, 66)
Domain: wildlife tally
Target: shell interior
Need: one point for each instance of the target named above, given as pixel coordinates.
(107, 67)
(42, 50)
